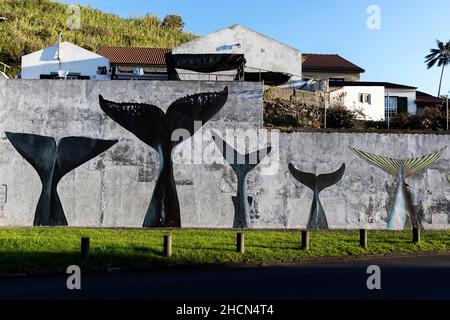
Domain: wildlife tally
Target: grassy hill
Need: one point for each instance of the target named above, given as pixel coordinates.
(34, 24)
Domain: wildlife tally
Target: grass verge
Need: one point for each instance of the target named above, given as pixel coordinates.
(42, 250)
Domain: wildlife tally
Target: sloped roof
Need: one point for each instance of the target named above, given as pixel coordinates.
(328, 62)
(387, 85)
(135, 55)
(423, 98)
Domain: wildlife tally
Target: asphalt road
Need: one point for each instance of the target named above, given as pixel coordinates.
(401, 278)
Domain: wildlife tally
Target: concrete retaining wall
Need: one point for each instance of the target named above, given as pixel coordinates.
(114, 189)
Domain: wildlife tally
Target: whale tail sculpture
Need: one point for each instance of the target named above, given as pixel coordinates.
(242, 165)
(401, 213)
(317, 217)
(52, 161)
(154, 127)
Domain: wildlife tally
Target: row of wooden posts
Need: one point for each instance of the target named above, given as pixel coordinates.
(240, 242)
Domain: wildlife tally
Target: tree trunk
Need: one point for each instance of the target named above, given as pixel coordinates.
(440, 82)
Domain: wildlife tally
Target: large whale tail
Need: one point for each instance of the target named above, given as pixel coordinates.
(52, 161)
(392, 166)
(156, 128)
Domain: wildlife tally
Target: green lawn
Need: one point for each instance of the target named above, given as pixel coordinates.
(53, 249)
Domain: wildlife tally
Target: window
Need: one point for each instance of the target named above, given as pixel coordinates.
(102, 70)
(390, 107)
(336, 79)
(365, 98)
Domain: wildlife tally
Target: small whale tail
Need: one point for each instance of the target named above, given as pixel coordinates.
(320, 182)
(392, 166)
(241, 163)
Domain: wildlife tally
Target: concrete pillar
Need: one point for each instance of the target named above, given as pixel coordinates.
(85, 248)
(305, 240)
(363, 238)
(167, 245)
(240, 242)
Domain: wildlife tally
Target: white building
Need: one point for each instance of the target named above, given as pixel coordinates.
(263, 54)
(64, 61)
(372, 98)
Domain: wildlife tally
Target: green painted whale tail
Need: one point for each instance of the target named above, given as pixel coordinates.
(392, 166)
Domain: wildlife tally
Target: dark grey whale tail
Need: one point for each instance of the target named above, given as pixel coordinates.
(241, 164)
(52, 162)
(150, 124)
(317, 218)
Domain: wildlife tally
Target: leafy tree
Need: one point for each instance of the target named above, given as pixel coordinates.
(173, 22)
(439, 56)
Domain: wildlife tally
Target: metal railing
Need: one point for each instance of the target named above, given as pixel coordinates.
(5, 66)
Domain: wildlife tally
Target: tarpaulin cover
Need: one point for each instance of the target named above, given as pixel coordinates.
(204, 63)
(269, 78)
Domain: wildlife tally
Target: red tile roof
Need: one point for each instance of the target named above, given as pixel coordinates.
(387, 85)
(423, 98)
(134, 55)
(328, 62)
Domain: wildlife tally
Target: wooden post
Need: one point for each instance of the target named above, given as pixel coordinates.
(85, 248)
(167, 245)
(305, 240)
(240, 242)
(363, 238)
(416, 235)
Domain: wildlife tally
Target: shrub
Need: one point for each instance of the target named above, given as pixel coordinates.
(341, 117)
(434, 118)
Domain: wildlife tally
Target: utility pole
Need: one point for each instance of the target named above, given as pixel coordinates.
(388, 110)
(325, 103)
(446, 99)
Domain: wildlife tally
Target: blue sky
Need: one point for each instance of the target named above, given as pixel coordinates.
(394, 53)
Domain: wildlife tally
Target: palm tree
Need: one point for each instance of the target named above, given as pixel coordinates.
(441, 56)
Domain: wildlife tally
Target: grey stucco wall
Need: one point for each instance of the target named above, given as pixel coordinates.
(114, 189)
